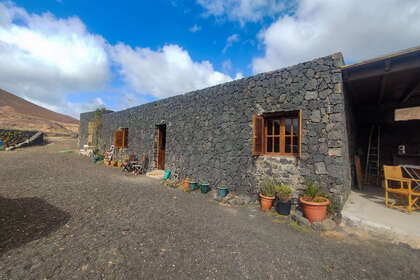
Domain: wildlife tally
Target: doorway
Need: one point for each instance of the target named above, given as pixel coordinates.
(161, 146)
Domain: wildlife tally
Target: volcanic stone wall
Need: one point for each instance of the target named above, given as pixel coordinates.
(11, 137)
(85, 118)
(209, 131)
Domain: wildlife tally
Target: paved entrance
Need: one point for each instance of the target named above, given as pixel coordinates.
(367, 208)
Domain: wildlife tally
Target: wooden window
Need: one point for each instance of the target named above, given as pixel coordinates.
(121, 138)
(277, 133)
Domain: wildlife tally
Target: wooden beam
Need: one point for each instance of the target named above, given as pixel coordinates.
(409, 91)
(387, 106)
(378, 69)
(382, 89)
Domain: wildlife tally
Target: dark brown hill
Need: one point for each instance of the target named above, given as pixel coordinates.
(17, 113)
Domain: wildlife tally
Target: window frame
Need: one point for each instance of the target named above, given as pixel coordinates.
(282, 118)
(124, 138)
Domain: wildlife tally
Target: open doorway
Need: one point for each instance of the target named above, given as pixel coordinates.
(377, 90)
(161, 146)
(382, 106)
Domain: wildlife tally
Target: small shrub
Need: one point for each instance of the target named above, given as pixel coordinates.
(268, 188)
(222, 187)
(332, 207)
(294, 225)
(283, 192)
(312, 191)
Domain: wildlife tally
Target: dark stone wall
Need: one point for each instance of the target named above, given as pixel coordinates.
(209, 131)
(85, 118)
(17, 136)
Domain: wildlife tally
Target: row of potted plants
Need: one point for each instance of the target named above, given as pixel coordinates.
(115, 163)
(192, 184)
(313, 201)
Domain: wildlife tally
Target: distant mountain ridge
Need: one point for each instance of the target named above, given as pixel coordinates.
(18, 113)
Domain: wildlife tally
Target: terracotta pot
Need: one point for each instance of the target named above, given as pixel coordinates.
(113, 163)
(266, 202)
(120, 163)
(187, 184)
(314, 211)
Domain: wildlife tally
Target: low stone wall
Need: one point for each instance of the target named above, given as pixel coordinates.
(13, 139)
(209, 132)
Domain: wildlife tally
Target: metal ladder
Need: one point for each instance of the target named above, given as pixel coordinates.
(372, 167)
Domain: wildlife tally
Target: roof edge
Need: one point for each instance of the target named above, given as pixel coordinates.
(381, 58)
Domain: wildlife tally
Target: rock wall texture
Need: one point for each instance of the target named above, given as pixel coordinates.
(11, 137)
(85, 118)
(209, 131)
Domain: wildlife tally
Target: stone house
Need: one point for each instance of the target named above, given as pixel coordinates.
(289, 124)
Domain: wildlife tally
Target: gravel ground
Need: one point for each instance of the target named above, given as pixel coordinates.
(63, 217)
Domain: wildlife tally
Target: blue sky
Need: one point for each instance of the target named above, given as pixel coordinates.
(159, 22)
(73, 56)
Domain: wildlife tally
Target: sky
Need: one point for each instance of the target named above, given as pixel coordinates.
(73, 56)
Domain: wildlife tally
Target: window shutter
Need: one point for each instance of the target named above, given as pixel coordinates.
(300, 134)
(118, 138)
(258, 135)
(125, 138)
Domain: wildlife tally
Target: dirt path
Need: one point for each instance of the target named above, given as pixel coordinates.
(63, 217)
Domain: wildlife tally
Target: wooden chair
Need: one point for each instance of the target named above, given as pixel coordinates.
(141, 167)
(406, 197)
(129, 165)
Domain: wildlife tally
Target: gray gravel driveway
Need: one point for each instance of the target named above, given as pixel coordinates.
(63, 217)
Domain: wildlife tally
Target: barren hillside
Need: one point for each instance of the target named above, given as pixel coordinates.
(17, 113)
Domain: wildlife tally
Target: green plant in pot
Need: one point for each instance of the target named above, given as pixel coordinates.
(222, 191)
(284, 204)
(204, 187)
(267, 192)
(314, 202)
(193, 184)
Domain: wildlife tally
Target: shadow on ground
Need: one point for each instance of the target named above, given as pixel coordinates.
(26, 219)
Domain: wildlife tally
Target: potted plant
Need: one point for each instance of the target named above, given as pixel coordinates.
(314, 202)
(187, 184)
(114, 163)
(222, 190)
(193, 184)
(204, 187)
(283, 203)
(267, 192)
(120, 163)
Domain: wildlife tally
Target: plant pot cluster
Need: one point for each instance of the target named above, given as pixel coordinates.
(190, 184)
(114, 163)
(313, 202)
(269, 190)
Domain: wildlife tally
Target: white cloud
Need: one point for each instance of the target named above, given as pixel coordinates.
(195, 28)
(360, 29)
(230, 40)
(44, 58)
(165, 72)
(242, 10)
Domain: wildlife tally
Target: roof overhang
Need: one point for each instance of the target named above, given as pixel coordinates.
(391, 81)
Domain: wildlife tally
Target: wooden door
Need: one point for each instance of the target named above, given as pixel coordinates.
(161, 146)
